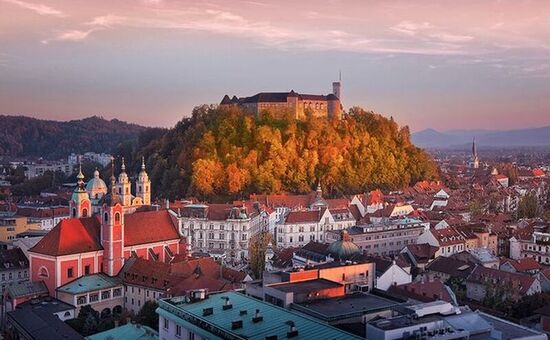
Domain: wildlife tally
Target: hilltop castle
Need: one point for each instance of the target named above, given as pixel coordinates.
(297, 104)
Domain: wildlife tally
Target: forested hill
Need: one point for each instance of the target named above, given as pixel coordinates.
(219, 152)
(29, 137)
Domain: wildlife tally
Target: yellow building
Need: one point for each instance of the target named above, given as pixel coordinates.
(13, 225)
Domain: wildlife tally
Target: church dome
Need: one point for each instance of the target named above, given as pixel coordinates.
(96, 185)
(344, 248)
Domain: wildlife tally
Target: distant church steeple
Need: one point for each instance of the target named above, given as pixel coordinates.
(475, 158)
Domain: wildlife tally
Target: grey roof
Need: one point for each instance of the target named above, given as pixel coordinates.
(27, 289)
(348, 306)
(41, 324)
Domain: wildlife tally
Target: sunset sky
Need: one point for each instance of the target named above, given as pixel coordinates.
(441, 64)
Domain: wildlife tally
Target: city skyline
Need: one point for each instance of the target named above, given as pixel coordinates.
(440, 65)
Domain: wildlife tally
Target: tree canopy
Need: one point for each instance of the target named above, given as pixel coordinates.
(224, 151)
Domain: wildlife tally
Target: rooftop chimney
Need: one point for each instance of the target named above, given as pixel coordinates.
(292, 331)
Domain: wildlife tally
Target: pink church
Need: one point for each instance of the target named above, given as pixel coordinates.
(105, 229)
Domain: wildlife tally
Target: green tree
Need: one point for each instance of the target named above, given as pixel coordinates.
(528, 206)
(256, 253)
(148, 316)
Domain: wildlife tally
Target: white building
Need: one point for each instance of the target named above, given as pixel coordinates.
(219, 228)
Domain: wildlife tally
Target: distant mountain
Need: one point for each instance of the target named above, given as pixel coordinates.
(456, 138)
(29, 137)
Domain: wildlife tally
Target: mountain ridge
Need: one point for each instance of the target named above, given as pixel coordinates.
(432, 138)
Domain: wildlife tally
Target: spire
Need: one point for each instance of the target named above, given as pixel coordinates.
(142, 163)
(80, 177)
(113, 179)
(474, 148)
(319, 190)
(123, 166)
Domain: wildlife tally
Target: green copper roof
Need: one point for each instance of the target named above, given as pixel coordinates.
(219, 323)
(127, 332)
(90, 283)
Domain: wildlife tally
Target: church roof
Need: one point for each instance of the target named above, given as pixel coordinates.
(70, 236)
(149, 227)
(81, 235)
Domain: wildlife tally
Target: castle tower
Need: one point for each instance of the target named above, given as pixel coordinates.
(337, 87)
(124, 186)
(80, 204)
(112, 231)
(143, 185)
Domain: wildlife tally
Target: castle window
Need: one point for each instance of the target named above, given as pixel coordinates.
(70, 272)
(120, 190)
(84, 212)
(139, 188)
(106, 217)
(117, 217)
(87, 269)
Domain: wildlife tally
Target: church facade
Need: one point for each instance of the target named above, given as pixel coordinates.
(296, 104)
(104, 230)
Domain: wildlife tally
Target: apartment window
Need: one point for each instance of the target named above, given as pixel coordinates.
(117, 292)
(178, 330)
(70, 272)
(244, 237)
(191, 336)
(132, 301)
(86, 269)
(166, 324)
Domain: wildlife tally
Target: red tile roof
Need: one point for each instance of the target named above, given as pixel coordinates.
(70, 236)
(423, 291)
(524, 265)
(303, 216)
(149, 227)
(447, 236)
(80, 235)
(375, 197)
(520, 282)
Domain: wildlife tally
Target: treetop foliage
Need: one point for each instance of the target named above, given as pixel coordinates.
(224, 151)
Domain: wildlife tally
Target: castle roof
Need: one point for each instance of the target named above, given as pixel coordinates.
(278, 97)
(81, 235)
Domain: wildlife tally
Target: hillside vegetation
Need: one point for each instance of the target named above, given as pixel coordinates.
(29, 137)
(227, 153)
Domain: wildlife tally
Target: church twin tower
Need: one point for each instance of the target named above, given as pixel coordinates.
(87, 199)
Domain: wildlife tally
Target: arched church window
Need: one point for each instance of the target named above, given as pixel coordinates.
(126, 191)
(106, 217)
(120, 190)
(139, 188)
(117, 217)
(43, 273)
(146, 188)
(316, 106)
(74, 212)
(84, 212)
